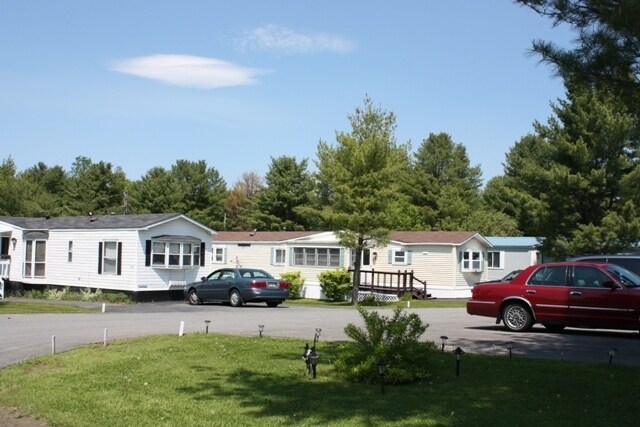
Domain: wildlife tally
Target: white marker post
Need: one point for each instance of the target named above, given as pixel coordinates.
(181, 333)
(104, 307)
(53, 344)
(106, 336)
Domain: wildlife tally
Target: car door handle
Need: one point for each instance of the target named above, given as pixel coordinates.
(531, 291)
(575, 293)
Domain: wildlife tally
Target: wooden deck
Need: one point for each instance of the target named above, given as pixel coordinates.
(397, 283)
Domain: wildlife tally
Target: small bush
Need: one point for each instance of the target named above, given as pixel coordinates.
(295, 280)
(394, 339)
(335, 284)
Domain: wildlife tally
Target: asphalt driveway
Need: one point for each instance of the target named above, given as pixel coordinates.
(23, 336)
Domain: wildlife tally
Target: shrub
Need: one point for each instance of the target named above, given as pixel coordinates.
(336, 284)
(394, 339)
(295, 280)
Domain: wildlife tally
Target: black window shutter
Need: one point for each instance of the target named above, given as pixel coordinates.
(202, 249)
(147, 254)
(100, 258)
(119, 268)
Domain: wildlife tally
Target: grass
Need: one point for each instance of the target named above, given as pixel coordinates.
(218, 380)
(16, 307)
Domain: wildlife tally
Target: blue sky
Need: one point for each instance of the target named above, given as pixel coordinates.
(141, 84)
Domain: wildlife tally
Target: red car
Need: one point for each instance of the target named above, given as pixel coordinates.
(560, 294)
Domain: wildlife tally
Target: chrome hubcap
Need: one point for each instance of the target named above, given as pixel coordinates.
(516, 317)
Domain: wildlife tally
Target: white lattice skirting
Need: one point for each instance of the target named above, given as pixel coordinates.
(378, 297)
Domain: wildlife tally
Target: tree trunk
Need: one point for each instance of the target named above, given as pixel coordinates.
(356, 272)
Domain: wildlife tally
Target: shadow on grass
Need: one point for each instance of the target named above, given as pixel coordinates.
(303, 399)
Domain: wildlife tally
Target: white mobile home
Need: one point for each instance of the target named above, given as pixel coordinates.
(450, 262)
(131, 253)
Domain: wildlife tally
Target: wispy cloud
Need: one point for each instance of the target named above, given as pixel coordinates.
(191, 71)
(275, 38)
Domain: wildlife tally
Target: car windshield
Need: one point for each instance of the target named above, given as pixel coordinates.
(627, 278)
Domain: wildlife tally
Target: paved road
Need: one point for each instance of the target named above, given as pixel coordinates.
(24, 336)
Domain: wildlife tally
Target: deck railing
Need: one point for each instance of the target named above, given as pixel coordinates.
(397, 282)
(4, 274)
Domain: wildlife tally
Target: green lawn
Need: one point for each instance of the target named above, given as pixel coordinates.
(16, 307)
(219, 380)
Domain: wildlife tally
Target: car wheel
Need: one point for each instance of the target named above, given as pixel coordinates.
(235, 299)
(193, 297)
(554, 328)
(517, 317)
(272, 303)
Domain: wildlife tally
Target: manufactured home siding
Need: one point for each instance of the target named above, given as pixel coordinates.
(155, 278)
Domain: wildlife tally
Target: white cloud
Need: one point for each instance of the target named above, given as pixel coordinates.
(275, 38)
(191, 71)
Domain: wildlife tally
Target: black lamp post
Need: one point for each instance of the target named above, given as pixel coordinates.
(510, 348)
(382, 367)
(206, 327)
(458, 352)
(260, 329)
(612, 352)
(444, 339)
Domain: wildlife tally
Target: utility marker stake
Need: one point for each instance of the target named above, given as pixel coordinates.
(106, 335)
(181, 333)
(104, 307)
(53, 344)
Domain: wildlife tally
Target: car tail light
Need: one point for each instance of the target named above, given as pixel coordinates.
(284, 285)
(256, 284)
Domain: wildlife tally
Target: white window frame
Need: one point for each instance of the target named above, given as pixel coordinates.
(110, 257)
(279, 256)
(399, 256)
(33, 263)
(316, 257)
(471, 261)
(491, 264)
(218, 254)
(174, 254)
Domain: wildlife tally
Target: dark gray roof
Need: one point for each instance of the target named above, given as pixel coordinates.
(94, 222)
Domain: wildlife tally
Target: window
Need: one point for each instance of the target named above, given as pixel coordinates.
(495, 259)
(158, 253)
(34, 258)
(218, 253)
(549, 276)
(471, 261)
(278, 256)
(169, 254)
(399, 256)
(316, 257)
(70, 252)
(110, 258)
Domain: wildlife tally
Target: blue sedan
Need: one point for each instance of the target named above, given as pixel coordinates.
(238, 286)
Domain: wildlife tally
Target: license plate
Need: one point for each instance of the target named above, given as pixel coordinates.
(272, 284)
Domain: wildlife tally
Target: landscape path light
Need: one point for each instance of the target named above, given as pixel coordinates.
(612, 352)
(458, 352)
(206, 327)
(260, 329)
(382, 367)
(510, 348)
(444, 339)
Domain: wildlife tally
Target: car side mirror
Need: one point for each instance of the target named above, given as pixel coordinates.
(609, 284)
(203, 278)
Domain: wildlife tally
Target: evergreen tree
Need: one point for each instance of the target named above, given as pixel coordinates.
(288, 186)
(565, 181)
(359, 181)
